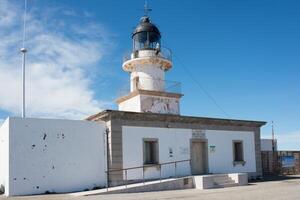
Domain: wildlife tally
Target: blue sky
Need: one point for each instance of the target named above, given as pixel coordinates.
(244, 53)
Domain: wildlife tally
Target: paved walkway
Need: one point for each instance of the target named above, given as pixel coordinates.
(288, 189)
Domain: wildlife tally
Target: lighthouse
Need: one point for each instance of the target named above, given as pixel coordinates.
(147, 64)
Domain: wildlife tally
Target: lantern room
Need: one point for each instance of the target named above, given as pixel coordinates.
(146, 35)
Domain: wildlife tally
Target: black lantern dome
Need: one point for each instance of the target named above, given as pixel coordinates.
(146, 35)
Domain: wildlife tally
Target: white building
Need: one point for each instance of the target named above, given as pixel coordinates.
(149, 131)
(146, 139)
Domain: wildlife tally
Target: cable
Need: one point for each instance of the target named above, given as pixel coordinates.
(200, 86)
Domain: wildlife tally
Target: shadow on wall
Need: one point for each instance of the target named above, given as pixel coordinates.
(2, 189)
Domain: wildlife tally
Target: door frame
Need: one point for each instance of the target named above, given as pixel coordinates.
(205, 153)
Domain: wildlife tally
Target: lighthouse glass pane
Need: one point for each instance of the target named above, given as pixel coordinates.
(146, 40)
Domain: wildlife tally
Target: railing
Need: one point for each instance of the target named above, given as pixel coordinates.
(125, 170)
(163, 52)
(150, 84)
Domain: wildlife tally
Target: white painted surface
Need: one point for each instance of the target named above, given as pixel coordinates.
(4, 145)
(266, 144)
(151, 77)
(133, 104)
(176, 139)
(55, 156)
(219, 161)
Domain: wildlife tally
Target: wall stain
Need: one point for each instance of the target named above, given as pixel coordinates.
(44, 137)
(32, 146)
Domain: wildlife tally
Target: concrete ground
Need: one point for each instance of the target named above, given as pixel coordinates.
(279, 189)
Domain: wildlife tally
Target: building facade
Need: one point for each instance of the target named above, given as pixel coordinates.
(149, 139)
(145, 139)
(197, 145)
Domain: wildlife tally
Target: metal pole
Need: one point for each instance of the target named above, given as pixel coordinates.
(175, 169)
(160, 173)
(143, 176)
(23, 51)
(126, 178)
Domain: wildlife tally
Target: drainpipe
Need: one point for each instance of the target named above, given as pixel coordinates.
(107, 159)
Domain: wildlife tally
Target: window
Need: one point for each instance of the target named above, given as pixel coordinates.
(238, 152)
(150, 151)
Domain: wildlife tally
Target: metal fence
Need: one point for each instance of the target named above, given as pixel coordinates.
(280, 162)
(163, 52)
(150, 84)
(125, 171)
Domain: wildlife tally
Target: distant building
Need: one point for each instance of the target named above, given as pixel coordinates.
(268, 144)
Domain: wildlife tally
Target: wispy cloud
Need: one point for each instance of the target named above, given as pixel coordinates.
(63, 53)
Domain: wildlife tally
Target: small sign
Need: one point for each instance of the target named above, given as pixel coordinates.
(170, 152)
(198, 134)
(212, 149)
(288, 161)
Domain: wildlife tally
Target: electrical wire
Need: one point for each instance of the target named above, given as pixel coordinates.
(201, 86)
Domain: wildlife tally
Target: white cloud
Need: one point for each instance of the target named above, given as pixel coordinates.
(289, 141)
(63, 53)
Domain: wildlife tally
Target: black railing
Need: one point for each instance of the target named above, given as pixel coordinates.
(143, 83)
(163, 52)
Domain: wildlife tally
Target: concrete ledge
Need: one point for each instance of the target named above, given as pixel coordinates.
(239, 178)
(220, 180)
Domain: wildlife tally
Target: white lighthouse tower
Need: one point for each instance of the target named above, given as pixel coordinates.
(147, 64)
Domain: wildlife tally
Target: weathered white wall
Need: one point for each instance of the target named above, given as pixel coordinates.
(133, 104)
(219, 161)
(159, 105)
(151, 77)
(4, 143)
(55, 156)
(177, 139)
(153, 104)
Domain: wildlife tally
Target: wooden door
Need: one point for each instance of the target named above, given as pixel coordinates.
(198, 161)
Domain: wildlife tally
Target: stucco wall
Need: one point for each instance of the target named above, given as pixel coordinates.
(176, 139)
(4, 142)
(219, 161)
(55, 156)
(133, 104)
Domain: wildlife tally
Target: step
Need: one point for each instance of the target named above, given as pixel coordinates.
(226, 185)
(224, 182)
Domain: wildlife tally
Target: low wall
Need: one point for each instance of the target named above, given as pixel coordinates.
(55, 156)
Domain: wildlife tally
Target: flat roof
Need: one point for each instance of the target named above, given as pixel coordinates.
(139, 116)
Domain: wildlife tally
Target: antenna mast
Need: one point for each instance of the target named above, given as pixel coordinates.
(273, 137)
(23, 50)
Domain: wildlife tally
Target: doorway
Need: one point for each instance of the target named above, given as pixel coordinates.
(199, 163)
